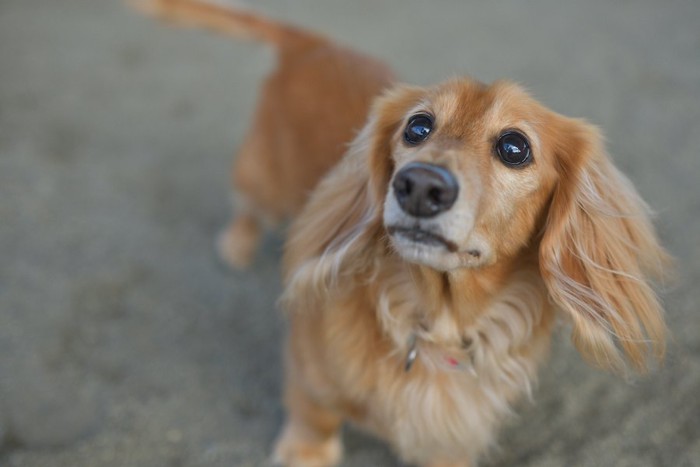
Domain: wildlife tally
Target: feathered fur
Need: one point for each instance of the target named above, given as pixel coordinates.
(584, 247)
(565, 234)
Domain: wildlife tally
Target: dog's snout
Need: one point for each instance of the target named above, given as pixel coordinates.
(425, 190)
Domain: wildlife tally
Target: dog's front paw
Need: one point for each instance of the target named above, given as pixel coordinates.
(295, 448)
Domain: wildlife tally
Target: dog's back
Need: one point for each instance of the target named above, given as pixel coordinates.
(309, 109)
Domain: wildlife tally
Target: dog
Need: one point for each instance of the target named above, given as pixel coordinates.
(425, 272)
(285, 152)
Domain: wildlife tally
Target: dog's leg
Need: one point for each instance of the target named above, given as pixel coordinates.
(311, 435)
(239, 240)
(255, 198)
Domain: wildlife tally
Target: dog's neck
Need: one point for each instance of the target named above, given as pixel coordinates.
(463, 293)
(440, 317)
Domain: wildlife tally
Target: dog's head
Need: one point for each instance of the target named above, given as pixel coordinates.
(465, 175)
(467, 171)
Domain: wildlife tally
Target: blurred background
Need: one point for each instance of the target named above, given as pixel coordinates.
(125, 342)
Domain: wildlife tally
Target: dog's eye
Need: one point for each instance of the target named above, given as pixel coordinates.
(514, 149)
(418, 129)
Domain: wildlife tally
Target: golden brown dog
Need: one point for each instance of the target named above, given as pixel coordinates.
(286, 151)
(425, 272)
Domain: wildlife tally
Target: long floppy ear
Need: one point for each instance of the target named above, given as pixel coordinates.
(342, 219)
(599, 253)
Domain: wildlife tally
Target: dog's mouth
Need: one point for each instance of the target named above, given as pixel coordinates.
(425, 237)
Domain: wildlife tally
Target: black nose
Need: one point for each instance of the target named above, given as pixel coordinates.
(425, 190)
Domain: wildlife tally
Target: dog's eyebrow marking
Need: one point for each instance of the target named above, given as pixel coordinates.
(492, 117)
(443, 109)
(423, 107)
(449, 106)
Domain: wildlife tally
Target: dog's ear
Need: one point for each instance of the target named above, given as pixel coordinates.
(599, 252)
(343, 216)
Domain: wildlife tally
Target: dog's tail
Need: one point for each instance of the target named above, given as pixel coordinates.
(226, 20)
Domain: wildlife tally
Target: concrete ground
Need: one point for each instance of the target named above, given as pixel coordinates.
(123, 340)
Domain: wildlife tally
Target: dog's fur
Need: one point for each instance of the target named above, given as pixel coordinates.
(566, 234)
(285, 151)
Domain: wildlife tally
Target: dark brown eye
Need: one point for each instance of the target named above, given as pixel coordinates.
(514, 149)
(418, 129)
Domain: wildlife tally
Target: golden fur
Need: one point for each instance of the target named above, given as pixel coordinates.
(285, 152)
(566, 234)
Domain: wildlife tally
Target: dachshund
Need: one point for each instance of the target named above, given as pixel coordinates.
(425, 273)
(426, 268)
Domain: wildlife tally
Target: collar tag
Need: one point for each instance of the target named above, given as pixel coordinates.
(412, 353)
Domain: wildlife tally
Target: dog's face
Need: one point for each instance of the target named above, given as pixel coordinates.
(465, 176)
(472, 169)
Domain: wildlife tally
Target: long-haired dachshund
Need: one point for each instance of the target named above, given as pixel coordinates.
(425, 271)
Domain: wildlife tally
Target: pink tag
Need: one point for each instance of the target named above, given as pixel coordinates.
(452, 361)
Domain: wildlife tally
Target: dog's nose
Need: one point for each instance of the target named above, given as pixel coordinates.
(425, 190)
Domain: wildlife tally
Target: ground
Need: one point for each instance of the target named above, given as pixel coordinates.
(125, 342)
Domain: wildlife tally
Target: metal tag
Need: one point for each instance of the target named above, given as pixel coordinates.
(412, 353)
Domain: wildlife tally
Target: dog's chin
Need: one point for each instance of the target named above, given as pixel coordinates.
(429, 249)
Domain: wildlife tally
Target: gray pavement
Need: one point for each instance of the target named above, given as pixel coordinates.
(124, 342)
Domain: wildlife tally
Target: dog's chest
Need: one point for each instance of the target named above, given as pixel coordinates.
(463, 380)
(426, 416)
